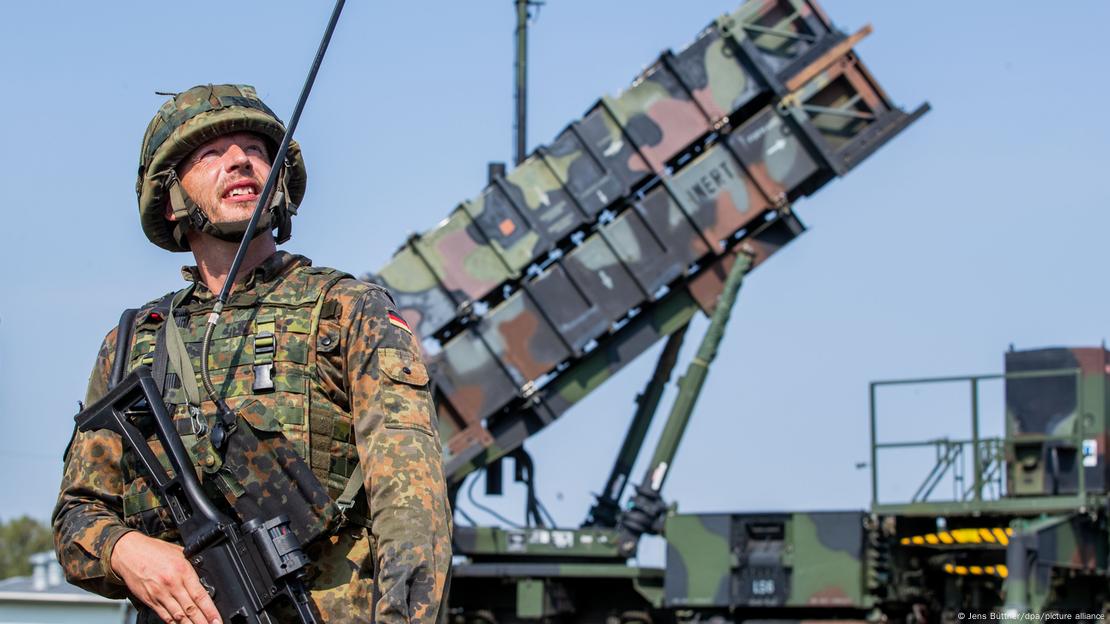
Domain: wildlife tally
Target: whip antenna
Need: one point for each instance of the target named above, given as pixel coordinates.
(263, 202)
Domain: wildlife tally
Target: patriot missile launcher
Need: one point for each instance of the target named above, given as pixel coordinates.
(613, 235)
(649, 208)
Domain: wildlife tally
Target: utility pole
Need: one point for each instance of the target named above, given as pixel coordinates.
(520, 124)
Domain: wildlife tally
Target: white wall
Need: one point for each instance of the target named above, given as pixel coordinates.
(18, 612)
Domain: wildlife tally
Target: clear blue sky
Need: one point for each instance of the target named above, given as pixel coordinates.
(981, 226)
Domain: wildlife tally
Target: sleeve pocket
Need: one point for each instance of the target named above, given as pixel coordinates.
(403, 367)
(404, 393)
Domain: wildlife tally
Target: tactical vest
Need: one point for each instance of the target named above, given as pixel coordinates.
(263, 362)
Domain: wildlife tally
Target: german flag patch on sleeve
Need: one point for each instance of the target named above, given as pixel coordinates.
(399, 322)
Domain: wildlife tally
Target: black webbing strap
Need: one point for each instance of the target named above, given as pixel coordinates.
(159, 360)
(124, 333)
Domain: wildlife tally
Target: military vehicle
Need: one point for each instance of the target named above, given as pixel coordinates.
(648, 209)
(1025, 531)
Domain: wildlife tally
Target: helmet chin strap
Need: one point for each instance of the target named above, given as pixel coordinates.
(281, 209)
(189, 216)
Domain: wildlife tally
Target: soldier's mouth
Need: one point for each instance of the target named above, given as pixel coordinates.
(241, 192)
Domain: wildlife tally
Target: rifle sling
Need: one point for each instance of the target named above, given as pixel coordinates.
(180, 362)
(346, 500)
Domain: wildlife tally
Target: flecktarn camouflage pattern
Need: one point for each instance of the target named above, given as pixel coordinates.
(311, 359)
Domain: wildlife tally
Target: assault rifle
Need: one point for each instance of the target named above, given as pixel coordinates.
(246, 568)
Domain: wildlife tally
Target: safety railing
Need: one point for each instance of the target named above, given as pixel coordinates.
(987, 456)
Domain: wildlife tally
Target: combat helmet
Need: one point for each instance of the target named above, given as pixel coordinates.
(188, 120)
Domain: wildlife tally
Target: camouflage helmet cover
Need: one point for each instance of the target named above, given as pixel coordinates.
(188, 120)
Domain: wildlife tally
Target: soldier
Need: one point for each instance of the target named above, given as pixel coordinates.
(306, 351)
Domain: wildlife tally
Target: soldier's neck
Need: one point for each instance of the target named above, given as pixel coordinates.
(214, 256)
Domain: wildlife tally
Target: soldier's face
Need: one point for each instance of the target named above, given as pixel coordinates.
(225, 176)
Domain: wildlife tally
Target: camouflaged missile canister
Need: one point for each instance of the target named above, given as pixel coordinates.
(519, 335)
(717, 195)
(711, 70)
(605, 138)
(602, 278)
(576, 319)
(525, 213)
(503, 225)
(582, 171)
(549, 207)
(461, 258)
(585, 292)
(761, 244)
(584, 375)
(470, 378)
(472, 449)
(421, 301)
(773, 154)
(643, 331)
(659, 115)
(348, 388)
(655, 240)
(639, 250)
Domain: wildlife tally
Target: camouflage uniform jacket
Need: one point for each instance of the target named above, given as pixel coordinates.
(407, 551)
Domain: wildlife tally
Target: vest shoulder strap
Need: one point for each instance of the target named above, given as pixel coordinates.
(304, 285)
(125, 333)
